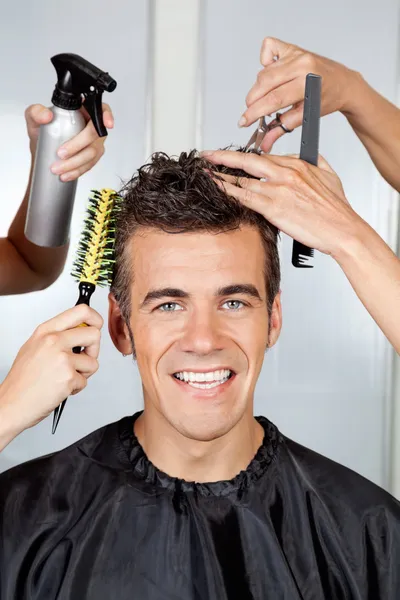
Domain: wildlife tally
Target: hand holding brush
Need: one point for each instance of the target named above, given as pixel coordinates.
(95, 256)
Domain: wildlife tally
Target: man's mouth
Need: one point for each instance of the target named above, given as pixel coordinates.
(204, 380)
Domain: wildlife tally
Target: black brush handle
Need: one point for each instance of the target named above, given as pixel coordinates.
(85, 293)
(309, 150)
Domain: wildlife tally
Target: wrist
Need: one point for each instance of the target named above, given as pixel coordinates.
(9, 428)
(356, 88)
(358, 241)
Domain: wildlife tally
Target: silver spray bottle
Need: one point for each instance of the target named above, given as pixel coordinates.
(51, 200)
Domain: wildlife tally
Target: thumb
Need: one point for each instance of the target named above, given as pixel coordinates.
(271, 48)
(36, 115)
(323, 164)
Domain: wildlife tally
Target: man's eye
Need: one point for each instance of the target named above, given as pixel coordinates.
(169, 307)
(234, 304)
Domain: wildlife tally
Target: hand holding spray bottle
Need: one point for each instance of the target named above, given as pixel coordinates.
(51, 200)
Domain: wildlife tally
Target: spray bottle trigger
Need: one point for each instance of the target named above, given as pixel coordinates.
(94, 106)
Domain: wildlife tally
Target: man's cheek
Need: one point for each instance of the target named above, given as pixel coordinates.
(251, 334)
(153, 337)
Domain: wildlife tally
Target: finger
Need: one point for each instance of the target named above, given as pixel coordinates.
(249, 196)
(89, 154)
(79, 142)
(273, 48)
(280, 175)
(271, 77)
(75, 174)
(293, 161)
(237, 180)
(37, 114)
(83, 337)
(323, 164)
(256, 186)
(84, 364)
(79, 384)
(108, 117)
(278, 99)
(291, 119)
(287, 161)
(71, 318)
(275, 157)
(253, 164)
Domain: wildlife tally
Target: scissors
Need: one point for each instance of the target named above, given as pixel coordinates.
(262, 129)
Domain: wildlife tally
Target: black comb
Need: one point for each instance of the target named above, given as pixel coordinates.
(301, 254)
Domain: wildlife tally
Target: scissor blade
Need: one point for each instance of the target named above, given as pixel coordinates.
(258, 135)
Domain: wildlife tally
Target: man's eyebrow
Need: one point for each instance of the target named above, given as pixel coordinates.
(163, 293)
(239, 288)
(247, 289)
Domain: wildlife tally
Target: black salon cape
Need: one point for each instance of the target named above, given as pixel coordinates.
(97, 521)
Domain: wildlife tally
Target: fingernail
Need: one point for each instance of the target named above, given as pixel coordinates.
(56, 168)
(207, 152)
(242, 121)
(66, 177)
(62, 153)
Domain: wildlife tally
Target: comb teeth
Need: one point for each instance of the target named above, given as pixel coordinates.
(95, 259)
(301, 255)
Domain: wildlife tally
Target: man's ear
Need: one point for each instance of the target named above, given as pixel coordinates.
(275, 321)
(117, 327)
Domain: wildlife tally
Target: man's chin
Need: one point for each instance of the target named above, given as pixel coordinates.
(203, 427)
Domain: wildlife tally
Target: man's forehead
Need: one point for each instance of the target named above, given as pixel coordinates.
(231, 246)
(198, 262)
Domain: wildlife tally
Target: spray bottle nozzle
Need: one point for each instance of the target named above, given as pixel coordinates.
(76, 78)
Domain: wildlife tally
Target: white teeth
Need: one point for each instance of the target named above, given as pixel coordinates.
(207, 386)
(211, 377)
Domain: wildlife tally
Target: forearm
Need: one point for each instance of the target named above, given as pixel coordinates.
(376, 121)
(44, 264)
(374, 273)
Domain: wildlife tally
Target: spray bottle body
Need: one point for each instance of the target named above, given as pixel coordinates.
(51, 200)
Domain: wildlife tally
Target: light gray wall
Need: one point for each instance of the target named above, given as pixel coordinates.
(324, 383)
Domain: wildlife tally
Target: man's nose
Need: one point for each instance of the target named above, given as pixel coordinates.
(202, 334)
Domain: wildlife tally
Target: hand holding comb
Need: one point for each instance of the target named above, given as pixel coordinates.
(95, 255)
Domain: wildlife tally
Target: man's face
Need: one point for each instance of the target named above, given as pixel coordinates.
(200, 325)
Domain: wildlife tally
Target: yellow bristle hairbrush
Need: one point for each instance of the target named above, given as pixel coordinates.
(95, 255)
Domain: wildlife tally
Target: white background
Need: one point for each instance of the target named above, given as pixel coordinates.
(327, 382)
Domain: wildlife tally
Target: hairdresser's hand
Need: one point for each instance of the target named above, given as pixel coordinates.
(303, 201)
(46, 371)
(79, 154)
(280, 85)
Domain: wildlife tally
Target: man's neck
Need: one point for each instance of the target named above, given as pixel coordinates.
(191, 460)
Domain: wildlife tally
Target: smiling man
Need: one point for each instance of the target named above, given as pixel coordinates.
(196, 291)
(194, 498)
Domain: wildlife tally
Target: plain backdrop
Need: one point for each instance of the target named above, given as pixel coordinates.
(327, 382)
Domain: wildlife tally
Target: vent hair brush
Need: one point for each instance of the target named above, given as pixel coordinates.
(94, 262)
